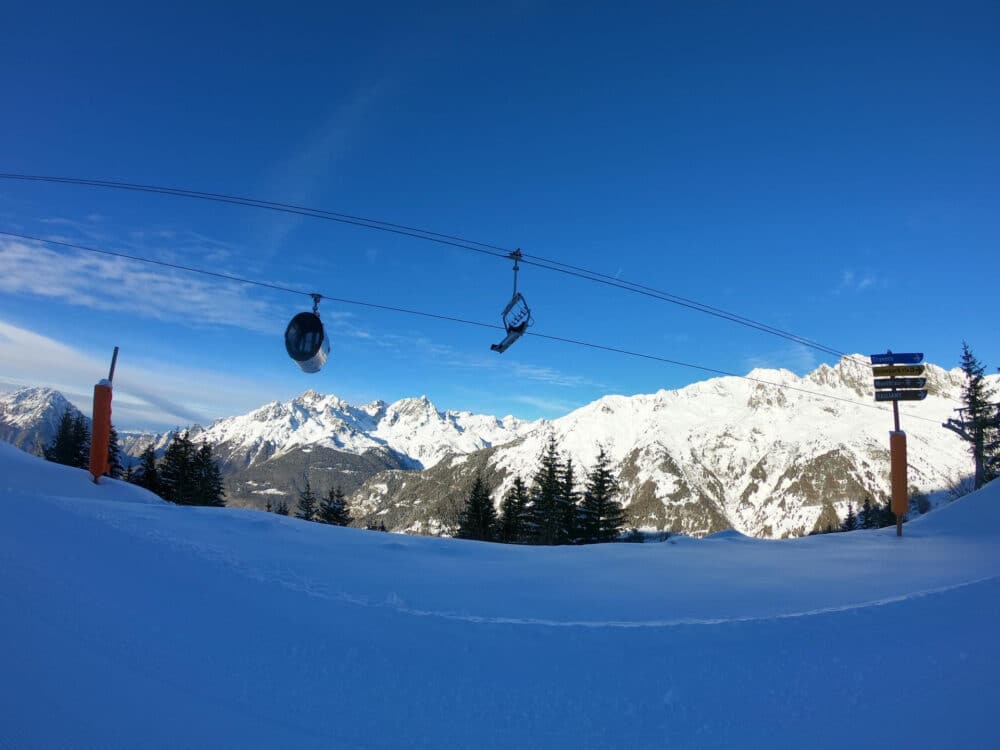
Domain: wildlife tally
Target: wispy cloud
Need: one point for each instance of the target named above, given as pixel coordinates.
(797, 358)
(147, 393)
(296, 178)
(449, 356)
(852, 281)
(550, 406)
(552, 376)
(116, 284)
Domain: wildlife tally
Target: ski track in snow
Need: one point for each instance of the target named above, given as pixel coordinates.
(394, 603)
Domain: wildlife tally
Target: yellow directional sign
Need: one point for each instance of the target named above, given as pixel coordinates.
(898, 371)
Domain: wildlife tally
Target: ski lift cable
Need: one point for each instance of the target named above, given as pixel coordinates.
(437, 316)
(708, 310)
(451, 240)
(384, 226)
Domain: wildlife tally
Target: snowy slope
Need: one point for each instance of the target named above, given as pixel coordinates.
(126, 622)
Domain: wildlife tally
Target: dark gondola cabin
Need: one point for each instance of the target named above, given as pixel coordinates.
(306, 342)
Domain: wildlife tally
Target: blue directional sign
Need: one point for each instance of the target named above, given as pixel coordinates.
(895, 383)
(900, 395)
(897, 358)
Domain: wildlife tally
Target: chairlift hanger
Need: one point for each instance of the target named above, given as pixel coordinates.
(516, 315)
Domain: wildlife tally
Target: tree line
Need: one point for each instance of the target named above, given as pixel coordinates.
(329, 509)
(71, 445)
(187, 474)
(550, 510)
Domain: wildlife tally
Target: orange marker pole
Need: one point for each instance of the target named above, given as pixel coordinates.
(100, 436)
(897, 459)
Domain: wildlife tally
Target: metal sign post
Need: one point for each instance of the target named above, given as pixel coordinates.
(897, 379)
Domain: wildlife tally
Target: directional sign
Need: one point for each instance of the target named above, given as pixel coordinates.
(883, 383)
(900, 395)
(895, 358)
(905, 370)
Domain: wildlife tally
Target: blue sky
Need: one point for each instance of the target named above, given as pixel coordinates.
(828, 169)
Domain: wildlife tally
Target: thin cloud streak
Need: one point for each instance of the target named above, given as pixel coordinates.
(147, 394)
(117, 284)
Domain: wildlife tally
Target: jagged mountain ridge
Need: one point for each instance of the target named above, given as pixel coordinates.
(727, 452)
(29, 417)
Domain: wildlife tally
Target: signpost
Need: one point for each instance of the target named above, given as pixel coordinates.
(897, 379)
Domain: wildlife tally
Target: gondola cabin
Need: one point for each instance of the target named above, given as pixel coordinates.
(306, 342)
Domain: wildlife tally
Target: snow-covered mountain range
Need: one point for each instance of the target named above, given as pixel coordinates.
(773, 454)
(29, 417)
(412, 428)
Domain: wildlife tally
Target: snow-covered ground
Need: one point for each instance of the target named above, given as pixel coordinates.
(126, 622)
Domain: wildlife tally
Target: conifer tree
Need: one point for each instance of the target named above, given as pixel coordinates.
(883, 515)
(514, 514)
(63, 448)
(267, 505)
(547, 525)
(868, 517)
(307, 503)
(479, 519)
(333, 509)
(115, 470)
(281, 508)
(851, 521)
(147, 475)
(568, 500)
(81, 442)
(209, 488)
(979, 416)
(601, 515)
(177, 476)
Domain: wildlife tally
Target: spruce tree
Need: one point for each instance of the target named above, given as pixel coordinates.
(979, 416)
(307, 503)
(479, 519)
(568, 501)
(147, 475)
(851, 521)
(177, 476)
(81, 442)
(547, 525)
(63, 448)
(868, 517)
(209, 488)
(514, 514)
(281, 508)
(333, 509)
(115, 469)
(267, 505)
(884, 516)
(601, 515)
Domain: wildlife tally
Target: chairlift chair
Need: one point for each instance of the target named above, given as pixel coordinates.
(516, 315)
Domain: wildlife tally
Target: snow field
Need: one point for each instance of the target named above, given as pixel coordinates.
(128, 622)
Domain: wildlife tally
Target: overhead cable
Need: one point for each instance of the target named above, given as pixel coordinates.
(437, 316)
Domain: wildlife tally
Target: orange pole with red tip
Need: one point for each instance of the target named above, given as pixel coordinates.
(100, 436)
